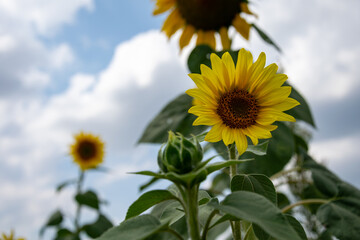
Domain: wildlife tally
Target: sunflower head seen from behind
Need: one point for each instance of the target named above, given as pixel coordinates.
(204, 18)
(87, 150)
(240, 100)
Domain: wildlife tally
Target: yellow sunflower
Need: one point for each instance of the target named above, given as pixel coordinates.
(87, 151)
(204, 18)
(10, 237)
(239, 101)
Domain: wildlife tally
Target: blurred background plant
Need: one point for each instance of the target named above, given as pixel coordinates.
(88, 153)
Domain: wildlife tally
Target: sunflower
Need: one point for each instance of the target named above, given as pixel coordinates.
(204, 18)
(87, 151)
(239, 101)
(10, 237)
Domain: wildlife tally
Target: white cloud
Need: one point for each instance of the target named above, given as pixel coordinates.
(46, 15)
(61, 56)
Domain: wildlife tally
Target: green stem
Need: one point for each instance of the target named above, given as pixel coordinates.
(236, 229)
(175, 233)
(207, 224)
(303, 202)
(284, 172)
(78, 208)
(192, 212)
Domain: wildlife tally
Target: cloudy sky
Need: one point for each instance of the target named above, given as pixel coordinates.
(104, 67)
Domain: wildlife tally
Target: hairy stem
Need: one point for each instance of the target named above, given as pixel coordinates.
(78, 208)
(284, 172)
(207, 224)
(304, 202)
(192, 212)
(236, 229)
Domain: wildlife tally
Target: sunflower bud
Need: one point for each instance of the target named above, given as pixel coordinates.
(180, 155)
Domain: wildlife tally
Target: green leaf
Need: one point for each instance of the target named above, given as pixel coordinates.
(148, 183)
(280, 150)
(257, 183)
(55, 219)
(65, 234)
(282, 200)
(97, 228)
(219, 165)
(136, 228)
(339, 221)
(147, 200)
(65, 184)
(175, 117)
(259, 149)
(89, 199)
(250, 235)
(257, 209)
(199, 55)
(302, 111)
(297, 226)
(265, 37)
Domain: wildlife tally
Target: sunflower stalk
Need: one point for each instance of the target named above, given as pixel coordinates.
(192, 211)
(235, 225)
(78, 208)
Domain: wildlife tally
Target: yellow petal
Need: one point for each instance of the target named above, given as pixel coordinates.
(244, 8)
(256, 69)
(220, 70)
(225, 40)
(274, 83)
(230, 68)
(275, 97)
(204, 84)
(186, 36)
(198, 110)
(206, 120)
(259, 131)
(210, 75)
(163, 6)
(253, 138)
(289, 103)
(173, 23)
(200, 37)
(228, 135)
(205, 98)
(241, 142)
(266, 75)
(210, 39)
(244, 62)
(241, 26)
(215, 133)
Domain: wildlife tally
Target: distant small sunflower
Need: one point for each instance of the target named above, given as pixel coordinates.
(239, 101)
(204, 18)
(10, 237)
(87, 151)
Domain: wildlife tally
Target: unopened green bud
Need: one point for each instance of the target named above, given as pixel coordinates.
(179, 154)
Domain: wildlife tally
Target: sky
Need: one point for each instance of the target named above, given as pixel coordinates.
(105, 67)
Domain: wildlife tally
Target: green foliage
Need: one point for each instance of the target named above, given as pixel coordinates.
(279, 152)
(62, 185)
(136, 228)
(255, 208)
(175, 117)
(265, 37)
(97, 228)
(256, 183)
(55, 219)
(148, 200)
(89, 199)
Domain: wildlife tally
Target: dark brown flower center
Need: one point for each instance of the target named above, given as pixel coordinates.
(86, 150)
(237, 109)
(209, 14)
